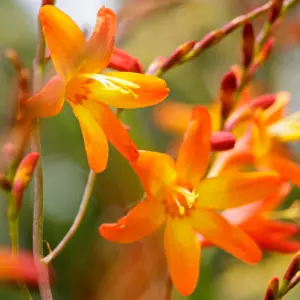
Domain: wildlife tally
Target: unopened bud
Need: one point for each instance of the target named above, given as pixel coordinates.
(294, 281)
(266, 50)
(155, 66)
(263, 101)
(293, 268)
(272, 289)
(248, 44)
(124, 62)
(262, 56)
(222, 141)
(206, 42)
(227, 93)
(177, 55)
(23, 176)
(275, 10)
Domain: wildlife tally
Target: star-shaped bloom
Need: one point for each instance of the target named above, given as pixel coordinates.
(78, 63)
(179, 196)
(263, 144)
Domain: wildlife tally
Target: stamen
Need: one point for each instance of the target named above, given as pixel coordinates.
(181, 208)
(190, 197)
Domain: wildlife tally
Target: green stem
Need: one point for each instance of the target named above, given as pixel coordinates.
(13, 223)
(38, 213)
(77, 221)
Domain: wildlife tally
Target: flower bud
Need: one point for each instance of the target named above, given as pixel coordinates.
(294, 281)
(177, 55)
(275, 10)
(248, 44)
(124, 62)
(155, 66)
(262, 56)
(222, 141)
(227, 93)
(23, 176)
(272, 289)
(263, 101)
(293, 268)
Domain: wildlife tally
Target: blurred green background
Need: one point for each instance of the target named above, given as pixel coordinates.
(90, 267)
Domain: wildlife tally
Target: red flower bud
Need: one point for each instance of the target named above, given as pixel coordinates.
(222, 141)
(275, 10)
(248, 44)
(122, 61)
(272, 289)
(293, 268)
(177, 55)
(23, 176)
(227, 93)
(263, 101)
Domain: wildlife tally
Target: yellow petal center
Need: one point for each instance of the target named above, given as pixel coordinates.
(179, 201)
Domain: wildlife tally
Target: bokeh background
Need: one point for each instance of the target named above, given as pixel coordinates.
(90, 267)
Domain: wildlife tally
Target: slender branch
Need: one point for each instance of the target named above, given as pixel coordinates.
(212, 38)
(38, 213)
(38, 203)
(77, 221)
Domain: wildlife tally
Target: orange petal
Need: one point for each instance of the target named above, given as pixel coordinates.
(100, 46)
(95, 142)
(113, 129)
(183, 255)
(146, 90)
(194, 153)
(48, 102)
(235, 189)
(141, 221)
(220, 232)
(155, 170)
(64, 39)
(287, 169)
(242, 214)
(118, 92)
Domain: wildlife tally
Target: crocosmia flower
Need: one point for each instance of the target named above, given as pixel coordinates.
(179, 196)
(78, 63)
(264, 142)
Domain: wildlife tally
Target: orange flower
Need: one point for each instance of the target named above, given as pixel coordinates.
(254, 219)
(178, 195)
(78, 63)
(263, 143)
